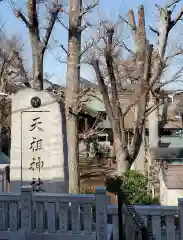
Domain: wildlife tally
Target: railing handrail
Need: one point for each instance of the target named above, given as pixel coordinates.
(147, 210)
(60, 207)
(84, 198)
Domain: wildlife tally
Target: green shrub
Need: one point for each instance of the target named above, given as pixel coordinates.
(133, 187)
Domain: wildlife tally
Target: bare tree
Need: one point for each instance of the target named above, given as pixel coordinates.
(13, 69)
(149, 63)
(76, 13)
(38, 44)
(12, 77)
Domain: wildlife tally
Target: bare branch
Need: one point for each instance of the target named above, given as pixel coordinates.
(153, 108)
(128, 23)
(174, 78)
(62, 61)
(87, 47)
(82, 28)
(179, 52)
(123, 45)
(62, 24)
(89, 8)
(19, 14)
(174, 22)
(92, 131)
(131, 18)
(139, 91)
(23, 73)
(91, 43)
(174, 2)
(85, 26)
(103, 89)
(158, 7)
(154, 30)
(109, 62)
(63, 48)
(54, 13)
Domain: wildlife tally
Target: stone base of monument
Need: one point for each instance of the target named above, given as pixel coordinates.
(38, 143)
(52, 186)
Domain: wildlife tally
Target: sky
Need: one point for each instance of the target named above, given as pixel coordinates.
(107, 8)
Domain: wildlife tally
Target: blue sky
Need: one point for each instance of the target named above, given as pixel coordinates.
(52, 66)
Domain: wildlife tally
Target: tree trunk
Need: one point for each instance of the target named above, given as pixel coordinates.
(139, 163)
(163, 112)
(72, 90)
(2, 110)
(121, 152)
(39, 71)
(153, 122)
(1, 130)
(37, 63)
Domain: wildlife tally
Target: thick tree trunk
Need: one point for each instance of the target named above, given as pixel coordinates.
(2, 110)
(139, 163)
(165, 26)
(38, 43)
(37, 65)
(163, 112)
(121, 153)
(153, 122)
(72, 90)
(39, 71)
(1, 132)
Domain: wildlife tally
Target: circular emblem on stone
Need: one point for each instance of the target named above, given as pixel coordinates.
(36, 102)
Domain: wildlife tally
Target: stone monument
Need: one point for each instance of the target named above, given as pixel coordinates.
(38, 144)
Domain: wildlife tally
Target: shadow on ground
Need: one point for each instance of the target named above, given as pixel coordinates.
(93, 173)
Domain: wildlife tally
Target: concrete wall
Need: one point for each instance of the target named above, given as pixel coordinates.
(174, 142)
(169, 197)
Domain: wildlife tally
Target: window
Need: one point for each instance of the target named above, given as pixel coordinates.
(102, 138)
(175, 162)
(171, 132)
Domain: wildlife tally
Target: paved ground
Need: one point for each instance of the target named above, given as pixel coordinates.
(93, 174)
